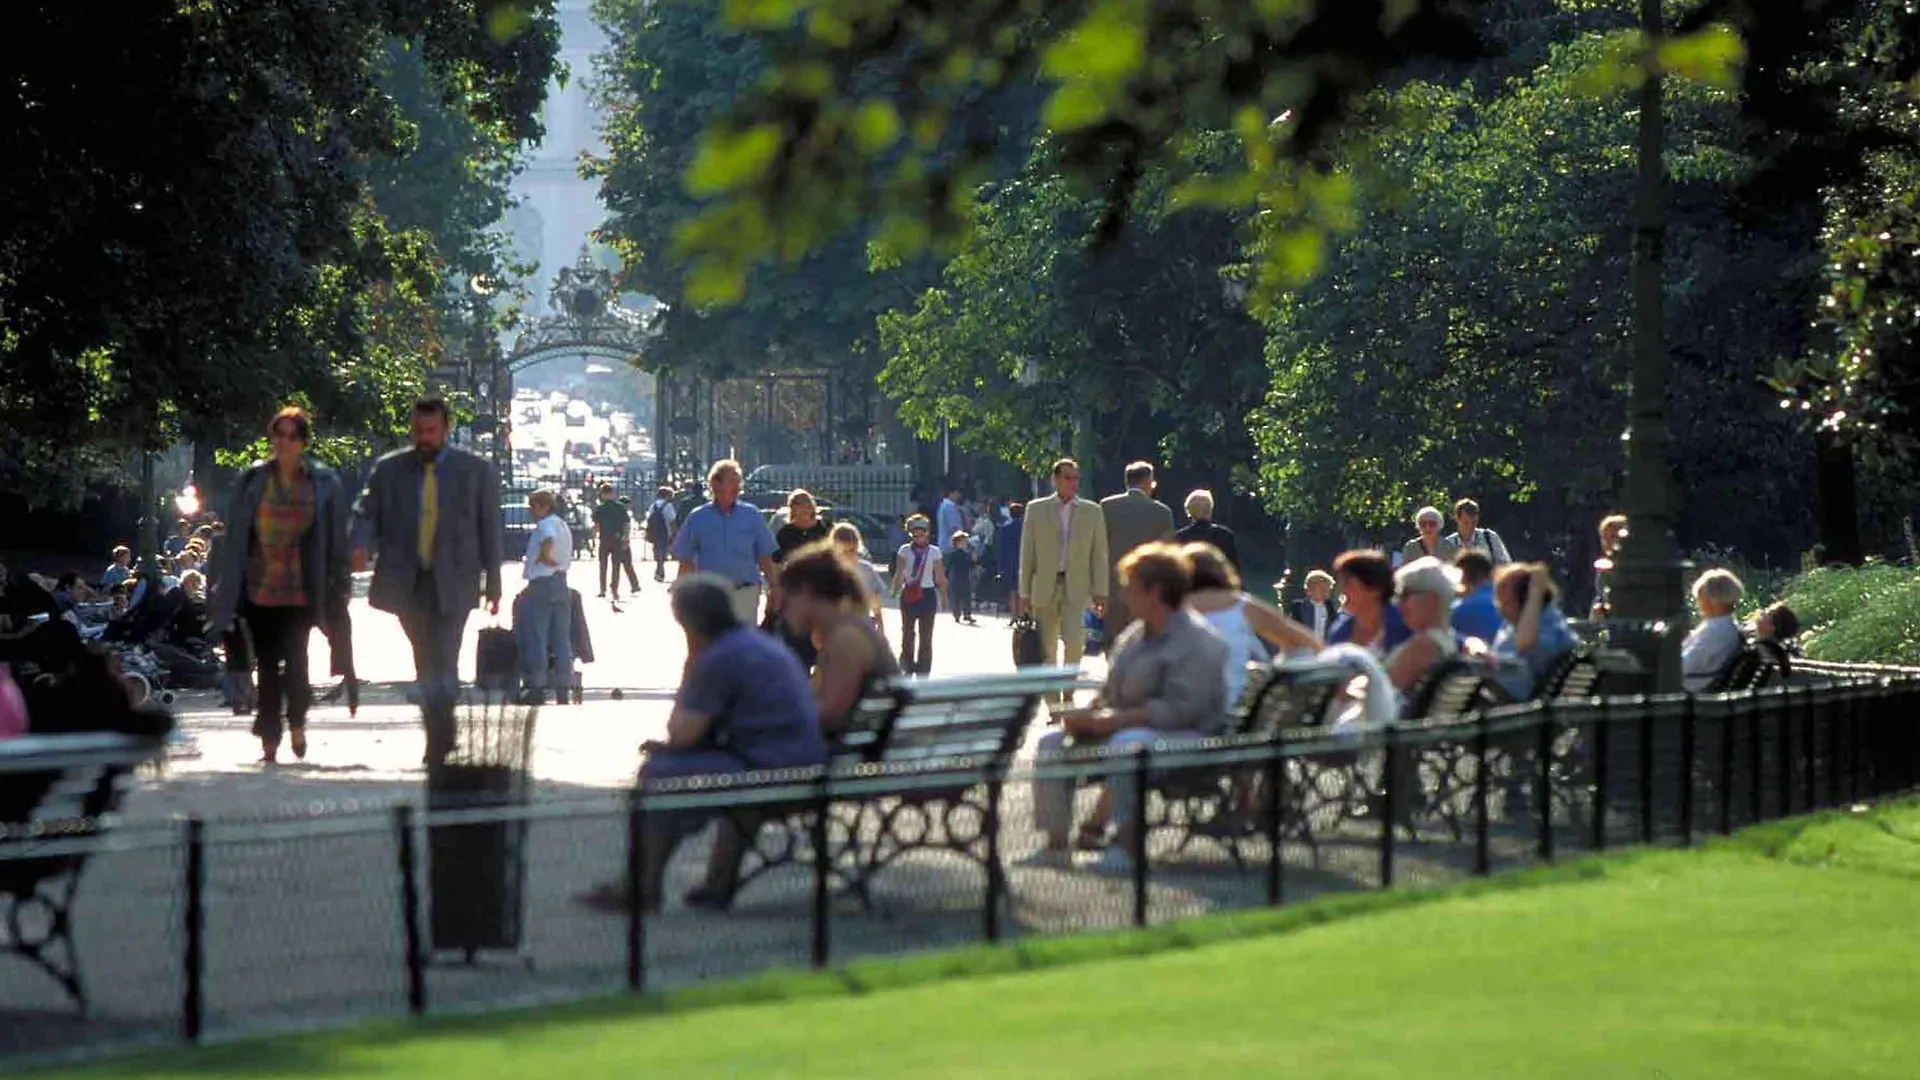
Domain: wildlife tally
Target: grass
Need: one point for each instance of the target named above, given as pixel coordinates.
(1787, 951)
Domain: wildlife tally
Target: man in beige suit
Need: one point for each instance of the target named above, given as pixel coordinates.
(1063, 564)
(1134, 517)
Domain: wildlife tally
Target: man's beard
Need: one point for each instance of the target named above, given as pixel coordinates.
(425, 450)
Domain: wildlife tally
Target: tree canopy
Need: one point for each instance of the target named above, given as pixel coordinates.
(200, 234)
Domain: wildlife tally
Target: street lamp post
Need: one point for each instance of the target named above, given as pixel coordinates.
(1649, 571)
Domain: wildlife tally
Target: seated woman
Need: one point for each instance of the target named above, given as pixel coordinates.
(1241, 621)
(1714, 643)
(744, 705)
(1425, 588)
(825, 600)
(1533, 633)
(1164, 684)
(1369, 618)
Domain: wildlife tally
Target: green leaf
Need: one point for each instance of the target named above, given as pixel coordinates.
(730, 160)
(1107, 47)
(1072, 107)
(1712, 56)
(876, 125)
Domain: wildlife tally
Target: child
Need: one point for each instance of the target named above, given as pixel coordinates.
(960, 577)
(1714, 643)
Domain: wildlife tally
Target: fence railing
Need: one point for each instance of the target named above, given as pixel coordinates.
(208, 929)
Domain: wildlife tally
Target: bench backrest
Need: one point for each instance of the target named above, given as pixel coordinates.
(1450, 689)
(1574, 676)
(1304, 695)
(1742, 672)
(968, 716)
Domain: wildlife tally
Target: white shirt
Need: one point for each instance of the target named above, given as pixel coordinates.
(549, 528)
(1066, 528)
(1707, 651)
(926, 569)
(1319, 626)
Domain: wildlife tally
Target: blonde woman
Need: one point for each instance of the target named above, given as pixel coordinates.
(803, 527)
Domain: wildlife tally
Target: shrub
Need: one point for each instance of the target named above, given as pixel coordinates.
(1866, 615)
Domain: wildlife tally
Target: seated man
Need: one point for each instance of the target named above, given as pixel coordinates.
(1714, 643)
(1424, 590)
(744, 704)
(1164, 684)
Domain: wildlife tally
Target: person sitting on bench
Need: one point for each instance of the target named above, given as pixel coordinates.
(1714, 643)
(744, 705)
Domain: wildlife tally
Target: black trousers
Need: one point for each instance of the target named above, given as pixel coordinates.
(619, 555)
(961, 585)
(660, 550)
(916, 633)
(280, 644)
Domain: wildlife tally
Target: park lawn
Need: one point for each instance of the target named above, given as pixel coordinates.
(1788, 952)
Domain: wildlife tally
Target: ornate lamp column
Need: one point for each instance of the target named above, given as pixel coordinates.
(1649, 570)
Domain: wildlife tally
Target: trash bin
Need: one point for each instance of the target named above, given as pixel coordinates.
(477, 870)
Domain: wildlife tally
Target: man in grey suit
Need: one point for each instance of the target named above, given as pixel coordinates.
(1134, 517)
(431, 518)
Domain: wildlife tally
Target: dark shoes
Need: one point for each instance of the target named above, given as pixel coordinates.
(297, 738)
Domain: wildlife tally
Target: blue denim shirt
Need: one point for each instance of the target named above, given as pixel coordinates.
(1394, 632)
(1555, 639)
(753, 688)
(729, 543)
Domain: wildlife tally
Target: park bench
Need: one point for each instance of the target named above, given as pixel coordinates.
(909, 773)
(55, 792)
(1219, 803)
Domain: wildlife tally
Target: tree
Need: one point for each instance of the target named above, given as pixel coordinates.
(1143, 345)
(813, 151)
(1472, 335)
(195, 239)
(675, 67)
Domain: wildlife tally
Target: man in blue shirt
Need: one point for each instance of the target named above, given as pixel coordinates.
(744, 704)
(729, 539)
(1476, 615)
(950, 519)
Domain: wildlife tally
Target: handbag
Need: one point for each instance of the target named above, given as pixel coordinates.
(1026, 642)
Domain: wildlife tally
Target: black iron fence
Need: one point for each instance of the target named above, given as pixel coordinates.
(208, 929)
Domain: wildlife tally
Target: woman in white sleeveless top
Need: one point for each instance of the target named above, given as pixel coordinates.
(1249, 626)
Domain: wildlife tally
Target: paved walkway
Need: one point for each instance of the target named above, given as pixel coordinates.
(308, 928)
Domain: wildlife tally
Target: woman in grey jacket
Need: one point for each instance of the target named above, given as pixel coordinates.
(282, 569)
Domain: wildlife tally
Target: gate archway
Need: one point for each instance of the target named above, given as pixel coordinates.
(588, 321)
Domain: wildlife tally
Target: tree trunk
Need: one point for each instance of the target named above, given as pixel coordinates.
(1836, 504)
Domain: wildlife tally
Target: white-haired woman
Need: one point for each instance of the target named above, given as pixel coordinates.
(1429, 543)
(1714, 643)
